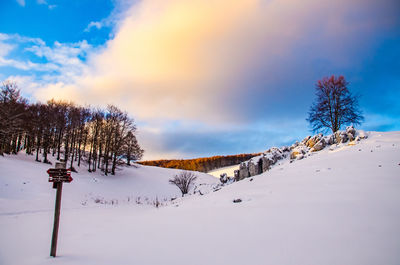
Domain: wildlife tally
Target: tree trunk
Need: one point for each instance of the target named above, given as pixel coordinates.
(90, 156)
(37, 148)
(59, 144)
(73, 148)
(114, 164)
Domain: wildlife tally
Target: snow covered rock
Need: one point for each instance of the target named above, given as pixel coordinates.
(266, 163)
(319, 145)
(304, 141)
(351, 130)
(285, 149)
(341, 137)
(361, 135)
(243, 171)
(330, 139)
(313, 140)
(293, 146)
(298, 152)
(236, 175)
(274, 154)
(253, 169)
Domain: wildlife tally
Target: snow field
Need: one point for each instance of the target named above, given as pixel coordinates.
(338, 206)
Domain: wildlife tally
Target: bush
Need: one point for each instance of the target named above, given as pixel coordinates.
(184, 181)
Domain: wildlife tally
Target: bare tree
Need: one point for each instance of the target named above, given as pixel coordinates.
(106, 137)
(184, 181)
(335, 105)
(12, 114)
(132, 149)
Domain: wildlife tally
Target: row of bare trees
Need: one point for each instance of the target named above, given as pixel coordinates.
(102, 138)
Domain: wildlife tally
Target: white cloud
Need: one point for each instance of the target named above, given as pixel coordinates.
(45, 2)
(28, 65)
(4, 36)
(21, 2)
(5, 48)
(20, 39)
(94, 24)
(64, 58)
(118, 14)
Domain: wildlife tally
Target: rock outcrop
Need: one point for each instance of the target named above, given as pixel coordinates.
(297, 151)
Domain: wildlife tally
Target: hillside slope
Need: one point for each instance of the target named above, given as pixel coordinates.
(338, 206)
(24, 186)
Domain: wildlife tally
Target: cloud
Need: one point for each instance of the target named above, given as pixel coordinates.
(119, 12)
(67, 56)
(46, 3)
(217, 64)
(39, 2)
(27, 65)
(197, 60)
(61, 60)
(379, 122)
(94, 24)
(177, 140)
(20, 39)
(21, 2)
(5, 48)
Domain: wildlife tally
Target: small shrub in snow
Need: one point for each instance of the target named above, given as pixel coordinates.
(156, 203)
(98, 200)
(184, 181)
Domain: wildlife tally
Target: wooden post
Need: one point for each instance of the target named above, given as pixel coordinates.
(57, 211)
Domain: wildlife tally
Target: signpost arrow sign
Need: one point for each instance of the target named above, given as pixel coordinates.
(57, 175)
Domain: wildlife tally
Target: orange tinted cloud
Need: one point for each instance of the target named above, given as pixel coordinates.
(180, 59)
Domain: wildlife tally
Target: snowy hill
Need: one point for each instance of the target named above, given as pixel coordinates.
(24, 186)
(338, 206)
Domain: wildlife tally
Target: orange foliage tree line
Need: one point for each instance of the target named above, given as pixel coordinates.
(204, 164)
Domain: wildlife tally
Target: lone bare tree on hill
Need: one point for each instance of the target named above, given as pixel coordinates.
(335, 105)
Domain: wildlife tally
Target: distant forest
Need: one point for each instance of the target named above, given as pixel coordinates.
(102, 138)
(204, 164)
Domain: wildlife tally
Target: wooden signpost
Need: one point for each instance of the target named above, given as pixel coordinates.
(57, 175)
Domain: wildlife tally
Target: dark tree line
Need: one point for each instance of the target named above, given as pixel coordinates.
(102, 138)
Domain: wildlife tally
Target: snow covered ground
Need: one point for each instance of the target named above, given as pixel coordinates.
(228, 170)
(339, 206)
(24, 186)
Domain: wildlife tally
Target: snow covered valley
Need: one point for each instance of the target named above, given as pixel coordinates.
(338, 206)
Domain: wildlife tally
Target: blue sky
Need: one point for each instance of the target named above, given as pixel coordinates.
(62, 21)
(206, 78)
